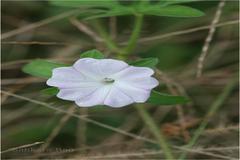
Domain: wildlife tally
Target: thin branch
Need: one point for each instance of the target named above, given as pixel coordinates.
(38, 24)
(81, 117)
(221, 130)
(209, 38)
(161, 140)
(8, 65)
(12, 90)
(20, 147)
(179, 90)
(177, 33)
(85, 29)
(93, 121)
(80, 149)
(208, 154)
(21, 81)
(141, 40)
(57, 129)
(213, 108)
(220, 148)
(38, 43)
(148, 153)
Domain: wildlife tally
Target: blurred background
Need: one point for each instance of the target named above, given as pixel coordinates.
(54, 33)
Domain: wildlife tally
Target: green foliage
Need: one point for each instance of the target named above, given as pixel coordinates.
(113, 8)
(51, 91)
(158, 98)
(92, 54)
(117, 11)
(145, 62)
(84, 3)
(170, 2)
(171, 11)
(41, 68)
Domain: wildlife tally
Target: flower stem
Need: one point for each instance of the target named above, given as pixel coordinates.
(135, 35)
(142, 111)
(155, 131)
(107, 39)
(213, 108)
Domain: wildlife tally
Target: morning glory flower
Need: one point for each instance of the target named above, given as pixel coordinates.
(110, 82)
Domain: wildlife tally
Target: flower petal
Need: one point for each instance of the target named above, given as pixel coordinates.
(88, 67)
(144, 83)
(73, 94)
(68, 77)
(99, 68)
(117, 98)
(71, 84)
(137, 94)
(95, 98)
(111, 66)
(131, 73)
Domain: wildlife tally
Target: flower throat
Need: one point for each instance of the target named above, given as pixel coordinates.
(108, 80)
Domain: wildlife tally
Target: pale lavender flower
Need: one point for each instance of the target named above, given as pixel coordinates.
(110, 82)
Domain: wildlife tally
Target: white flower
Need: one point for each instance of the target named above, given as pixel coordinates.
(114, 83)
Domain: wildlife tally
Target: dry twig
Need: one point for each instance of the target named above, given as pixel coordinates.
(209, 38)
(57, 129)
(85, 29)
(21, 147)
(38, 24)
(141, 40)
(181, 32)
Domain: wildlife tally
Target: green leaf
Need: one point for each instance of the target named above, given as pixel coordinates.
(41, 68)
(50, 91)
(92, 54)
(171, 11)
(170, 2)
(165, 99)
(117, 11)
(84, 3)
(145, 62)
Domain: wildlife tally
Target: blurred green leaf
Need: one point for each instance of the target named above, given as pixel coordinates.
(145, 62)
(41, 68)
(171, 11)
(117, 11)
(52, 91)
(92, 54)
(113, 8)
(169, 2)
(84, 3)
(158, 98)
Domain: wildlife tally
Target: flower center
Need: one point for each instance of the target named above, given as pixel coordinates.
(108, 80)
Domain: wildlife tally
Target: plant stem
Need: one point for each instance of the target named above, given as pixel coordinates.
(135, 34)
(213, 108)
(155, 131)
(107, 39)
(142, 111)
(122, 55)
